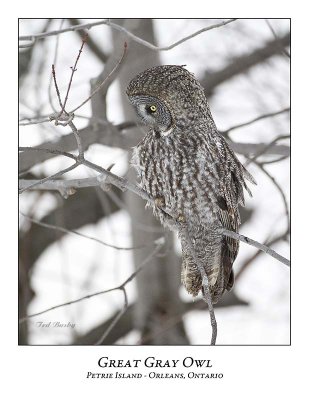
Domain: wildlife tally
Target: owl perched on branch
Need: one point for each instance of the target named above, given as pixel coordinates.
(190, 171)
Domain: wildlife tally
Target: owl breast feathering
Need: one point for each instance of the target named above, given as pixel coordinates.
(190, 171)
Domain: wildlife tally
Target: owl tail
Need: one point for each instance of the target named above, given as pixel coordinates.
(218, 269)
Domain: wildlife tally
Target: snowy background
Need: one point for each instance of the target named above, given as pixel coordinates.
(74, 266)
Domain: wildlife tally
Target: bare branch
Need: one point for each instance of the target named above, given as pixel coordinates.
(258, 245)
(137, 39)
(70, 231)
(253, 148)
(104, 81)
(84, 40)
(47, 151)
(56, 175)
(287, 213)
(243, 63)
(33, 121)
(171, 46)
(25, 46)
(276, 160)
(56, 86)
(74, 28)
(263, 151)
(255, 120)
(62, 185)
(116, 319)
(252, 258)
(51, 77)
(91, 43)
(78, 141)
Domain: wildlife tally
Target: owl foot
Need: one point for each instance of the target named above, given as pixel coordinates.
(181, 218)
(159, 202)
(191, 277)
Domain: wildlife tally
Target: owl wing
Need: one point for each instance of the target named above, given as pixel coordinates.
(229, 217)
(232, 184)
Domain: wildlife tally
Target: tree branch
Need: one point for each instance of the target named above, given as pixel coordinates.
(64, 186)
(56, 175)
(71, 231)
(74, 28)
(250, 259)
(91, 43)
(104, 80)
(258, 245)
(243, 63)
(116, 319)
(33, 38)
(259, 118)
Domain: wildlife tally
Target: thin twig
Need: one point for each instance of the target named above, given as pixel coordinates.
(71, 231)
(275, 160)
(171, 46)
(255, 120)
(91, 43)
(258, 245)
(88, 296)
(56, 85)
(252, 258)
(56, 175)
(54, 63)
(59, 31)
(50, 151)
(160, 243)
(78, 141)
(287, 213)
(116, 319)
(104, 81)
(72, 74)
(34, 121)
(263, 151)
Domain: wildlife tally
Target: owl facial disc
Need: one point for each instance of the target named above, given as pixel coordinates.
(153, 112)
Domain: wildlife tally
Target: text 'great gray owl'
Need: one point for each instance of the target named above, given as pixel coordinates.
(189, 169)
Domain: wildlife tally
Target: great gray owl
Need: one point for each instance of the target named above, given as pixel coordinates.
(189, 169)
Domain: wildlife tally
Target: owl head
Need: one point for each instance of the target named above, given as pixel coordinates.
(167, 97)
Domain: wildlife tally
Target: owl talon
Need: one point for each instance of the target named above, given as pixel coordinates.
(181, 218)
(159, 202)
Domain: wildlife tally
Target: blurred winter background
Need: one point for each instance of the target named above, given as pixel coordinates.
(245, 69)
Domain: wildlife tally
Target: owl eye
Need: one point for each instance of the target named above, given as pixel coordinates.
(151, 109)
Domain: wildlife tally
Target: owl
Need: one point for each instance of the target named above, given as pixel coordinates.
(190, 171)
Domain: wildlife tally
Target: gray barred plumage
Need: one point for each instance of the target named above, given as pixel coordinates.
(187, 167)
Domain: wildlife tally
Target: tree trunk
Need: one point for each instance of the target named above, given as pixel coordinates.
(158, 284)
